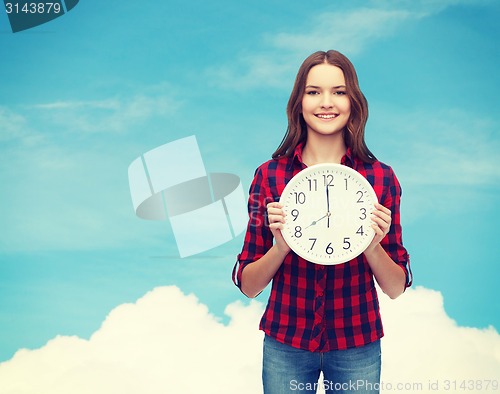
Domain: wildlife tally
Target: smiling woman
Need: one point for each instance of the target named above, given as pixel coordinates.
(319, 317)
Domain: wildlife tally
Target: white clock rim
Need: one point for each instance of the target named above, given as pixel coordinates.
(331, 166)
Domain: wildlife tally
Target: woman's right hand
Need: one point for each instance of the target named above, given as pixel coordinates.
(276, 218)
(256, 276)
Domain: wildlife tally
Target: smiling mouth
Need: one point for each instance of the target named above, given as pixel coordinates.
(326, 116)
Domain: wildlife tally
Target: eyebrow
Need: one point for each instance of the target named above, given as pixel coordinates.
(318, 87)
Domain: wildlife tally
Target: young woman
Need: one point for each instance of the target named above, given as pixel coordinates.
(322, 318)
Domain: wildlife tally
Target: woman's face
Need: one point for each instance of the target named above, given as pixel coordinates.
(326, 107)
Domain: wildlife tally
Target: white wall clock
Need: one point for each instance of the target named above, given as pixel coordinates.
(327, 212)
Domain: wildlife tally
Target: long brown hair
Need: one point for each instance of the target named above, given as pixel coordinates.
(353, 133)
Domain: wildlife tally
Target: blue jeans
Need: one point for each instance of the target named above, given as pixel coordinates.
(290, 370)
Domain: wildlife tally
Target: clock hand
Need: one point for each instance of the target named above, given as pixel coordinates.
(327, 199)
(327, 215)
(328, 205)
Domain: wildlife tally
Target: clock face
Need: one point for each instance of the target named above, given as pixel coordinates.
(327, 213)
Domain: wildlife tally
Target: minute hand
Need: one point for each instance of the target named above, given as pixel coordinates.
(328, 205)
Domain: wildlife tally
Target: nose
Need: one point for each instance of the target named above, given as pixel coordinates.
(327, 101)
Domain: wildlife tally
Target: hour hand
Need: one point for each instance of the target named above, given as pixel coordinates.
(314, 222)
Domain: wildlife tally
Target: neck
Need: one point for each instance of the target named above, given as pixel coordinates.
(323, 149)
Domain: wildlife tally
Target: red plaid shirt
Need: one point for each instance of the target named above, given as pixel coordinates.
(316, 307)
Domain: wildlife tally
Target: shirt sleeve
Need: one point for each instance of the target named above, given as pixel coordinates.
(258, 237)
(393, 241)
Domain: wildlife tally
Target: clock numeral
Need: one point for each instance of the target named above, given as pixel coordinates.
(313, 185)
(313, 242)
(298, 231)
(295, 214)
(360, 231)
(345, 179)
(363, 214)
(347, 244)
(360, 199)
(329, 249)
(328, 179)
(300, 198)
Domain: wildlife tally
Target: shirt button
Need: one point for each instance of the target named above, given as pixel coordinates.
(320, 294)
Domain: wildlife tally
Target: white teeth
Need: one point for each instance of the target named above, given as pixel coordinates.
(326, 116)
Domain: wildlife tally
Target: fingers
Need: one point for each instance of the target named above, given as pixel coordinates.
(276, 218)
(381, 219)
(275, 215)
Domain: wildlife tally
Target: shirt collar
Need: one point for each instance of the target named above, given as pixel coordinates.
(297, 157)
(348, 159)
(297, 154)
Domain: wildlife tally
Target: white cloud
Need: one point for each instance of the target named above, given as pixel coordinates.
(422, 343)
(11, 124)
(114, 114)
(14, 127)
(67, 188)
(348, 31)
(253, 70)
(168, 342)
(111, 104)
(426, 7)
(444, 158)
(441, 147)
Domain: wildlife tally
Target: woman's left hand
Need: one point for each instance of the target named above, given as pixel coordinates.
(381, 223)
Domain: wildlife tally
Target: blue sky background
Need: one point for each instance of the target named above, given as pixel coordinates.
(84, 95)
